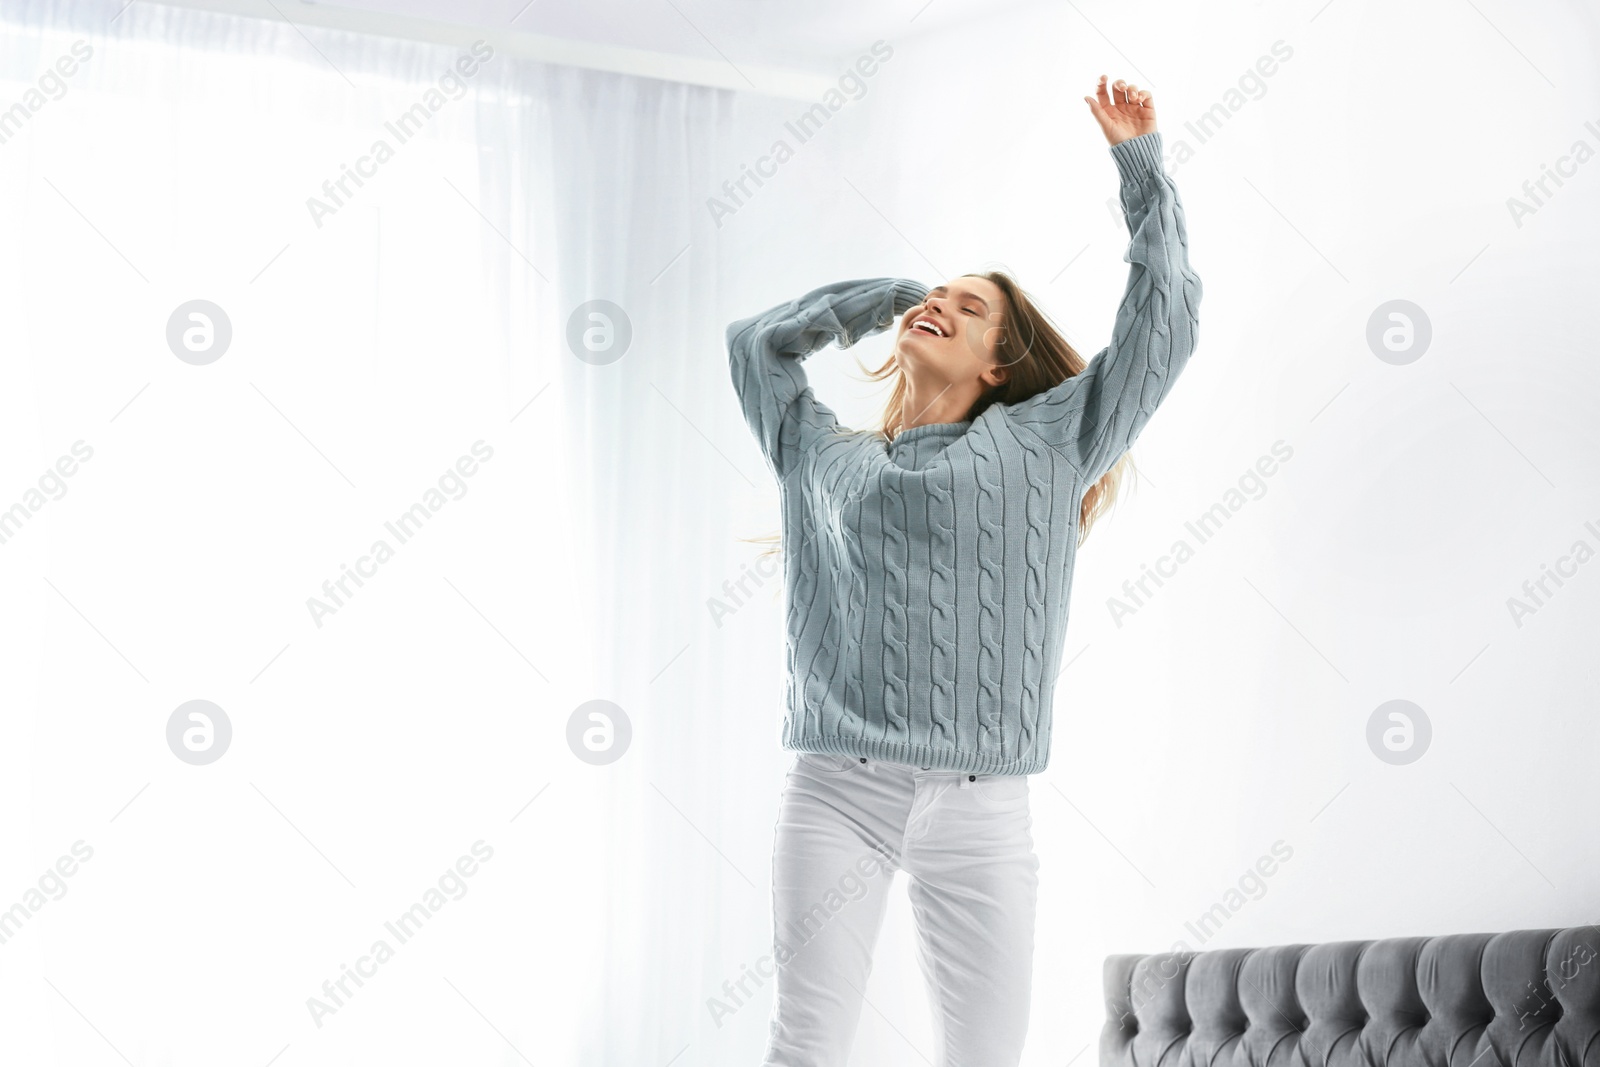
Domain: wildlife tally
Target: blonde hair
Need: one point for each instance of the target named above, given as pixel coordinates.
(1038, 357)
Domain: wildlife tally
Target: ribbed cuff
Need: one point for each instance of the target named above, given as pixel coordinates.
(907, 295)
(1138, 157)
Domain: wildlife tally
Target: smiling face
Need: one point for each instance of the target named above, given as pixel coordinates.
(950, 337)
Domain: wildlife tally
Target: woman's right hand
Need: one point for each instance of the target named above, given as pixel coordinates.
(1127, 111)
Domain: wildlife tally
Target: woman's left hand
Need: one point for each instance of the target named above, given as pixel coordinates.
(1127, 111)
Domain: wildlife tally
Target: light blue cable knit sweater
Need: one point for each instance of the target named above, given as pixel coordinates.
(927, 577)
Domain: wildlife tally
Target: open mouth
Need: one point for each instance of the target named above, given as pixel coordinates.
(928, 326)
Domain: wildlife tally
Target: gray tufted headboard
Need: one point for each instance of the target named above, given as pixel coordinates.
(1526, 998)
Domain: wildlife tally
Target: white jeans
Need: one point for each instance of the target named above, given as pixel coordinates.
(845, 825)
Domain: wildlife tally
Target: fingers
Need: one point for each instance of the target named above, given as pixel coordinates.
(1124, 94)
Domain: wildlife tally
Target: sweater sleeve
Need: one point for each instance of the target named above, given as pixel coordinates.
(765, 352)
(1093, 417)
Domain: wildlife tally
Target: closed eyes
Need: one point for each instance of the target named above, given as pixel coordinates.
(941, 291)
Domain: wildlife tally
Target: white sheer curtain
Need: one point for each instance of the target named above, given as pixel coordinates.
(430, 708)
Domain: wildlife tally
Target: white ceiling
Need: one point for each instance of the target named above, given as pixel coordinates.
(813, 35)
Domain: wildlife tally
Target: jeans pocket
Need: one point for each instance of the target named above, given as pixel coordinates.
(827, 762)
(1002, 790)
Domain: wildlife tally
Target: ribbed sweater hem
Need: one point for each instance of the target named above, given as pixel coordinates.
(941, 758)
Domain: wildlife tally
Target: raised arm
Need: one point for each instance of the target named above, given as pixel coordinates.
(1093, 417)
(765, 352)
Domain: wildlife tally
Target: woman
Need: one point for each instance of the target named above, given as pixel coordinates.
(927, 569)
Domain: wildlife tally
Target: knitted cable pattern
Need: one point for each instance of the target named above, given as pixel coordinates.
(993, 641)
(896, 668)
(943, 619)
(1039, 505)
(854, 595)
